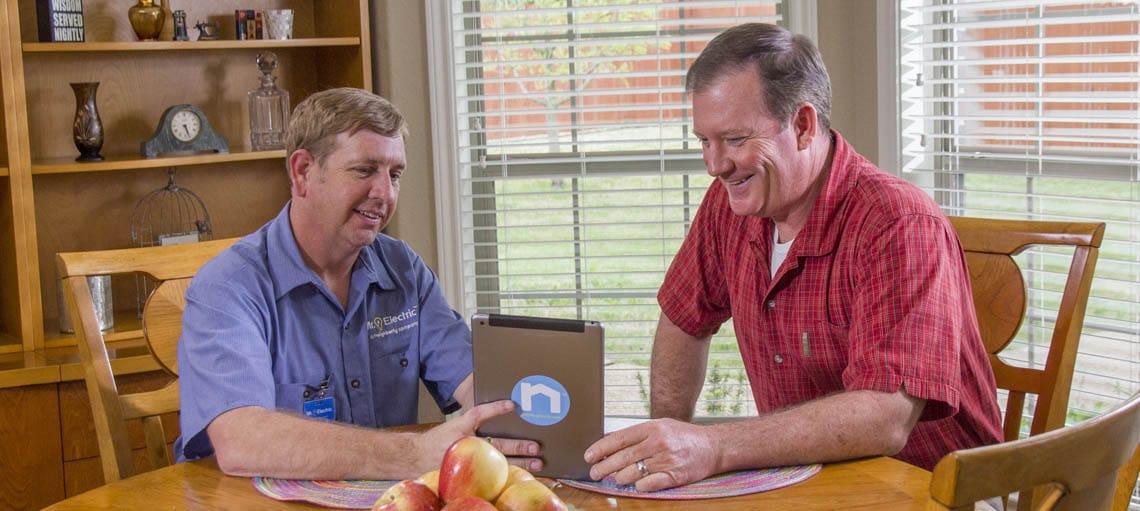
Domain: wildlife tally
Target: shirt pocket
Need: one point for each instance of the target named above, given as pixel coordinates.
(395, 386)
(292, 396)
(822, 349)
(390, 331)
(393, 343)
(392, 346)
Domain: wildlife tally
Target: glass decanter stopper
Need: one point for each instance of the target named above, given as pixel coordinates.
(268, 108)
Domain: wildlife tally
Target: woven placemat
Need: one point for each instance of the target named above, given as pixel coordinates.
(339, 494)
(725, 485)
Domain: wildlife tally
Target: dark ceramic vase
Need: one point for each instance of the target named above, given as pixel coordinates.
(88, 128)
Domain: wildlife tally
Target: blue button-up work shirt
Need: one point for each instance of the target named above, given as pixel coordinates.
(261, 329)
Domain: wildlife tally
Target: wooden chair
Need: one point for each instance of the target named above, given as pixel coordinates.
(1000, 304)
(1074, 468)
(1126, 482)
(173, 266)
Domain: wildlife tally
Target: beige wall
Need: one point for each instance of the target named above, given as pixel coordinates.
(847, 42)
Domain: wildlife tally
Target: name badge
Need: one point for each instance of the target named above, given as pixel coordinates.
(322, 408)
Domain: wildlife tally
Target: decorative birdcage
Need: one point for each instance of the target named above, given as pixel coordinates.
(170, 215)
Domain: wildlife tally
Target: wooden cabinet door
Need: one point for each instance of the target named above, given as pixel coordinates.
(31, 471)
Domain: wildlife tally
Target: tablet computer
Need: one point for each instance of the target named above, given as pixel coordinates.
(552, 370)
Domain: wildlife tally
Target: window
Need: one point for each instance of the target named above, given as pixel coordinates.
(1031, 109)
(574, 173)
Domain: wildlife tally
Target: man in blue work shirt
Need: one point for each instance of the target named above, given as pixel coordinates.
(311, 332)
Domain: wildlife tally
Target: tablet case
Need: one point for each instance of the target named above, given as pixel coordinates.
(552, 370)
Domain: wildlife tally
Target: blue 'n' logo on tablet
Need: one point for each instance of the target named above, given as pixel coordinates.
(541, 400)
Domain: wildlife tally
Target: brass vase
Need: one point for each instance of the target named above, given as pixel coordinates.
(147, 18)
(88, 128)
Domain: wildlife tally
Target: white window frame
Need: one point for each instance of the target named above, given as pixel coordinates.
(441, 88)
(886, 19)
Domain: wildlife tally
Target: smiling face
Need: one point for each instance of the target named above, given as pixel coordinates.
(761, 164)
(343, 202)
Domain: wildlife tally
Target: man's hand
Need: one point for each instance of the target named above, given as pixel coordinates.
(672, 452)
(433, 443)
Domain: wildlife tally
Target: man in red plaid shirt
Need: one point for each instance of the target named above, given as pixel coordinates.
(847, 288)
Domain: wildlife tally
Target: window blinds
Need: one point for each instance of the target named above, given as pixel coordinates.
(578, 171)
(1031, 109)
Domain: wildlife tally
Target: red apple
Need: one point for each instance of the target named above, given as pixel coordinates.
(517, 474)
(408, 495)
(529, 495)
(469, 504)
(472, 468)
(431, 480)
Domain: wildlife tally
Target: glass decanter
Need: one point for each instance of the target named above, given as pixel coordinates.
(268, 108)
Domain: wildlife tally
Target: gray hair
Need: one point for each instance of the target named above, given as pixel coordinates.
(789, 65)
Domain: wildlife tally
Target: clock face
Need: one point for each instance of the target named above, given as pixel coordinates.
(185, 125)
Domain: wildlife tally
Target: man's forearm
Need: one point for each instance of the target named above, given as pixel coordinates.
(677, 371)
(838, 427)
(254, 441)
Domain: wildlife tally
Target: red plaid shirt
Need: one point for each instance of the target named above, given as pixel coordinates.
(874, 294)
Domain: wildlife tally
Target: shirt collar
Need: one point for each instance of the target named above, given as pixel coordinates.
(289, 271)
(818, 237)
(372, 266)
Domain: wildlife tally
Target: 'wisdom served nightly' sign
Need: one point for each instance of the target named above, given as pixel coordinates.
(60, 20)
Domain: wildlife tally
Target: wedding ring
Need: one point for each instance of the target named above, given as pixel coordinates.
(642, 468)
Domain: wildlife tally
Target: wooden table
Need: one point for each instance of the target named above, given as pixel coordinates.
(877, 483)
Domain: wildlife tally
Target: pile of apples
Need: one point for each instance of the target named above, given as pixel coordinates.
(472, 476)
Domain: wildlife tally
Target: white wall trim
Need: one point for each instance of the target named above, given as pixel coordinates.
(803, 18)
(441, 87)
(887, 44)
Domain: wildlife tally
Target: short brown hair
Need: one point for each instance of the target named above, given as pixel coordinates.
(322, 116)
(790, 68)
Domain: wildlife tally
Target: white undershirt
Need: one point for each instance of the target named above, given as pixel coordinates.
(779, 250)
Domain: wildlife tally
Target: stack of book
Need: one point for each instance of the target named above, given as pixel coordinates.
(248, 24)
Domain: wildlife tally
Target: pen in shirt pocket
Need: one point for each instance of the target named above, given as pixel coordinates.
(319, 391)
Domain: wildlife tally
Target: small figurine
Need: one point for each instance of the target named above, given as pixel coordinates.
(207, 31)
(180, 32)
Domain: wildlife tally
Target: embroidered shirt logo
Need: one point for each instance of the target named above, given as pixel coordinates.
(383, 326)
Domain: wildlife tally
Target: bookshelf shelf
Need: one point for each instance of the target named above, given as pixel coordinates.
(178, 46)
(134, 161)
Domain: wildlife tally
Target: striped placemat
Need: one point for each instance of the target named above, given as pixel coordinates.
(724, 485)
(339, 494)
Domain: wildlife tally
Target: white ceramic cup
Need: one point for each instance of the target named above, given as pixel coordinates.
(279, 22)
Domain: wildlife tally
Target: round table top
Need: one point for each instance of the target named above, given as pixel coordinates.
(873, 483)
